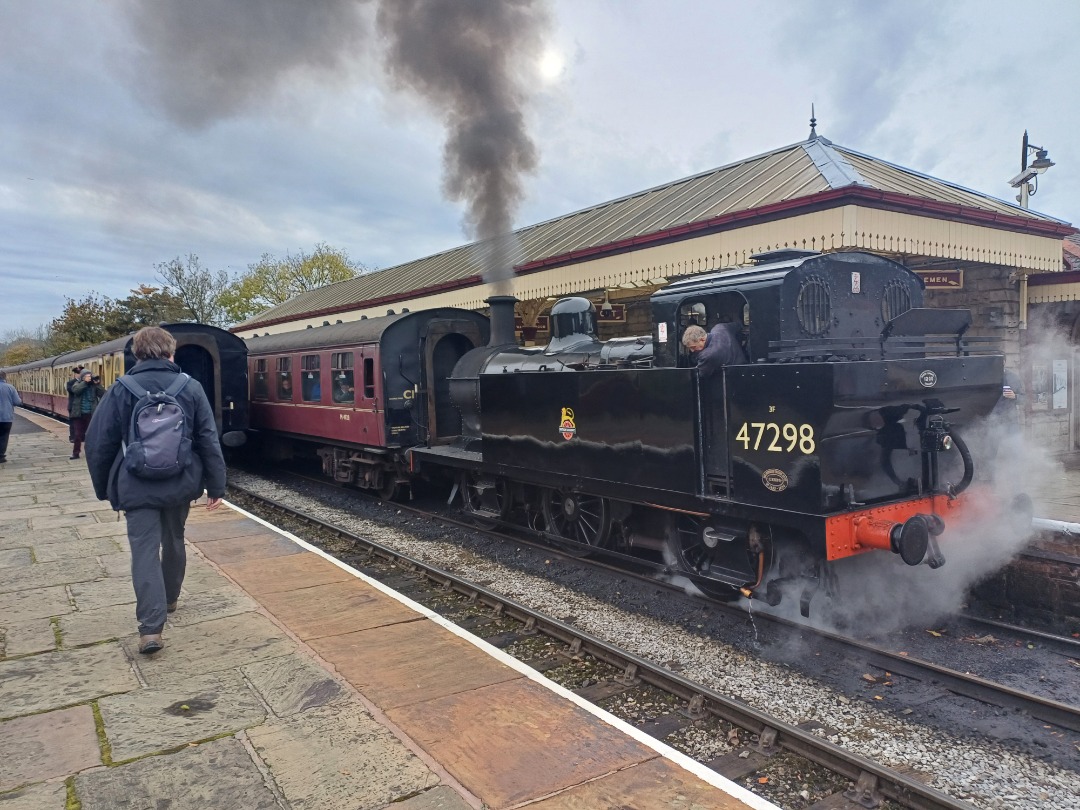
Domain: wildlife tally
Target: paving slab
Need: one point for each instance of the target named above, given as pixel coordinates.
(103, 592)
(42, 575)
(482, 735)
(118, 563)
(47, 746)
(158, 719)
(203, 606)
(249, 547)
(211, 647)
(204, 530)
(26, 536)
(85, 506)
(289, 573)
(16, 557)
(656, 783)
(440, 797)
(49, 551)
(339, 757)
(64, 678)
(335, 609)
(46, 796)
(83, 627)
(28, 638)
(410, 662)
(294, 683)
(218, 774)
(11, 501)
(48, 520)
(110, 528)
(201, 576)
(20, 606)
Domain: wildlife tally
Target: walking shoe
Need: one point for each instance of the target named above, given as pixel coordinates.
(171, 607)
(148, 645)
(72, 458)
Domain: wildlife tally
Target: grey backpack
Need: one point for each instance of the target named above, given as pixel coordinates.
(158, 445)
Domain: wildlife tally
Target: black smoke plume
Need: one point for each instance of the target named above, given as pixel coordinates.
(462, 56)
(466, 59)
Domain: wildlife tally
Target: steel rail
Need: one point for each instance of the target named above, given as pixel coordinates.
(871, 778)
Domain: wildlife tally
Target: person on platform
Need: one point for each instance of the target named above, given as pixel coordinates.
(156, 510)
(75, 372)
(716, 348)
(9, 398)
(86, 393)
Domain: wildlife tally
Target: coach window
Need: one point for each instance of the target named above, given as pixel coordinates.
(284, 379)
(260, 388)
(341, 372)
(310, 379)
(369, 377)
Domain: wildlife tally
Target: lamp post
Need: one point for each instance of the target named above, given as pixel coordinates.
(1030, 172)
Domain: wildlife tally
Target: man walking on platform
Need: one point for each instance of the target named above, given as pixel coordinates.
(9, 398)
(156, 500)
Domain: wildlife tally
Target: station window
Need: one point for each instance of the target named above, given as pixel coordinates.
(310, 378)
(260, 387)
(341, 367)
(284, 377)
(369, 377)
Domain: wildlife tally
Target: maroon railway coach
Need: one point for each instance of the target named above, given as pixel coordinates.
(360, 392)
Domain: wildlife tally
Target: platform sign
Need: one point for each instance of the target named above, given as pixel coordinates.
(942, 279)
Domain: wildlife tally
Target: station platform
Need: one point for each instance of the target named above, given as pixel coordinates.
(288, 680)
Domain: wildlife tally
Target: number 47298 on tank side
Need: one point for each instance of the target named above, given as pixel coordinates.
(840, 432)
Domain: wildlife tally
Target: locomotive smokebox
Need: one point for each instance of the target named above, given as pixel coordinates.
(502, 319)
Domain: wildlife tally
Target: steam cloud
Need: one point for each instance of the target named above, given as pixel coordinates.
(210, 59)
(878, 593)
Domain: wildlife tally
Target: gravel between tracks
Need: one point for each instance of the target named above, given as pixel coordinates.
(984, 773)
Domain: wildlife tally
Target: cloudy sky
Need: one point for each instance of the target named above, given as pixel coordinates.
(133, 132)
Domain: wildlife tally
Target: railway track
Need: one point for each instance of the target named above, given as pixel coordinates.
(765, 736)
(889, 662)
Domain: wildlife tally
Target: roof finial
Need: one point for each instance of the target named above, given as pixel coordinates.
(813, 124)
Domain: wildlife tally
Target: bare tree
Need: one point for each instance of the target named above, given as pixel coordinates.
(198, 288)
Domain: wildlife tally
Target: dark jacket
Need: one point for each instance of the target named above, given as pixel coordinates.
(77, 393)
(722, 348)
(109, 429)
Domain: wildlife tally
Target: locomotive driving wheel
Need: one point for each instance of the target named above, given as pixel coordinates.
(579, 523)
(687, 541)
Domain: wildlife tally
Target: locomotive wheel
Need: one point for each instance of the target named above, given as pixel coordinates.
(486, 501)
(686, 541)
(583, 522)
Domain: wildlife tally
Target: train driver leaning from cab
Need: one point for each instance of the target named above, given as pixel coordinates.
(716, 348)
(343, 392)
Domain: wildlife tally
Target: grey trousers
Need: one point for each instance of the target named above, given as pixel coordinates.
(158, 562)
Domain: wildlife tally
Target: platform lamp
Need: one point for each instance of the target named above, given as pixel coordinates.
(1030, 172)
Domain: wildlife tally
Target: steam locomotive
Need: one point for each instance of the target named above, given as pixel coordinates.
(842, 435)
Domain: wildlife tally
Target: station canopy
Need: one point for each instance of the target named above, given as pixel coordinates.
(813, 194)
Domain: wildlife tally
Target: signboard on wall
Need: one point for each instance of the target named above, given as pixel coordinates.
(615, 313)
(542, 323)
(942, 279)
(1060, 396)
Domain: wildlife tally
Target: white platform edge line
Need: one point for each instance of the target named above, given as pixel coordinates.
(663, 749)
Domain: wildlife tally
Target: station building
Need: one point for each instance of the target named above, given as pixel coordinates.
(1009, 265)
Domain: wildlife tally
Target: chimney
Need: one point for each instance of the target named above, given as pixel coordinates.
(502, 319)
